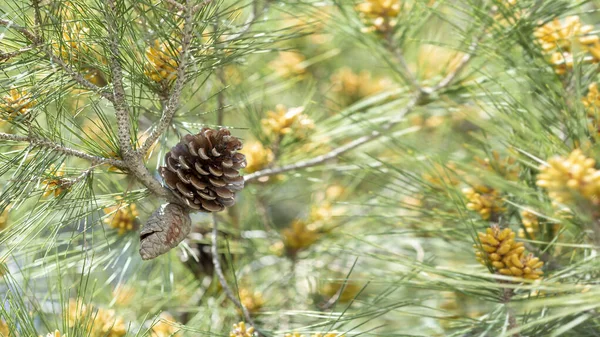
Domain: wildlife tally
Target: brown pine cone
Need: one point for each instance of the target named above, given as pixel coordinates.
(203, 169)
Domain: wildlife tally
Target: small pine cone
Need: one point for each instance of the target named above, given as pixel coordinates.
(165, 229)
(497, 246)
(203, 170)
(522, 265)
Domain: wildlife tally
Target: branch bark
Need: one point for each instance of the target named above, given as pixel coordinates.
(507, 294)
(120, 103)
(174, 98)
(48, 144)
(464, 61)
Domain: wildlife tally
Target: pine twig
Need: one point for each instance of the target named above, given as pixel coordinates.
(251, 20)
(39, 43)
(221, 275)
(120, 102)
(399, 56)
(45, 143)
(464, 61)
(134, 162)
(9, 55)
(173, 101)
(67, 183)
(419, 99)
(507, 294)
(318, 160)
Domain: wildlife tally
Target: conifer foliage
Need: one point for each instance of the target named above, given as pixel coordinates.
(317, 168)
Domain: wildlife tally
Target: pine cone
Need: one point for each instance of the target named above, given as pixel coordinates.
(203, 170)
(164, 230)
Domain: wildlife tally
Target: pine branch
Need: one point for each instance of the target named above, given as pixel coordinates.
(174, 98)
(251, 20)
(464, 61)
(375, 134)
(120, 102)
(52, 146)
(418, 100)
(38, 42)
(9, 55)
(399, 56)
(133, 160)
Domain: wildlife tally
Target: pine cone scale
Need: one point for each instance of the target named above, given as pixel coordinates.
(202, 170)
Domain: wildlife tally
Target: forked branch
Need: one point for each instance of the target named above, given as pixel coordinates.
(419, 99)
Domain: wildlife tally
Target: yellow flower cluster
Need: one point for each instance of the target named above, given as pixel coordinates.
(285, 121)
(77, 46)
(122, 217)
(241, 330)
(508, 257)
(162, 62)
(164, 329)
(349, 293)
(531, 223)
(502, 19)
(289, 64)
(74, 36)
(567, 179)
(442, 176)
(557, 38)
(55, 184)
(523, 265)
(16, 103)
(257, 156)
(100, 322)
(299, 236)
(252, 300)
(123, 294)
(591, 102)
(352, 87)
(484, 200)
(506, 167)
(4, 330)
(435, 61)
(379, 14)
(304, 233)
